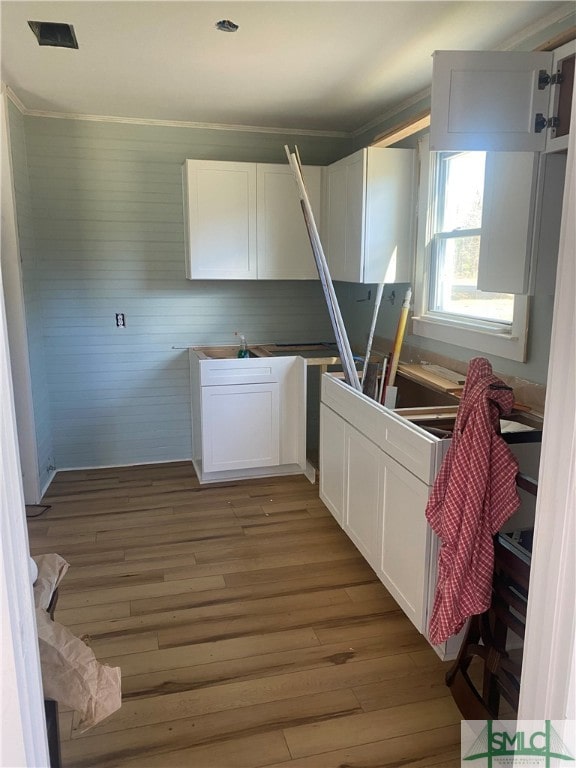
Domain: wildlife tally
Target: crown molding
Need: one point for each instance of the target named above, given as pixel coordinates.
(15, 100)
(555, 17)
(173, 123)
(393, 111)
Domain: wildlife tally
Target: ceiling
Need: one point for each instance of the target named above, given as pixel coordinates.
(314, 66)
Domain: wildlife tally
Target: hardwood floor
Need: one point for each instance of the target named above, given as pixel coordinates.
(249, 630)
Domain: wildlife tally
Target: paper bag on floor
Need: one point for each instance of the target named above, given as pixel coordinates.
(71, 674)
(51, 570)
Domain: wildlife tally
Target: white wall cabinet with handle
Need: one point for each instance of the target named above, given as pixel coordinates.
(502, 100)
(368, 212)
(243, 221)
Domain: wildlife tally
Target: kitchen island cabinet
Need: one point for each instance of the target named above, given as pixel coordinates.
(248, 416)
(377, 468)
(388, 467)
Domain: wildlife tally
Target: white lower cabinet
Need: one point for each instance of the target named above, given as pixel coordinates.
(241, 426)
(403, 551)
(332, 461)
(363, 484)
(248, 416)
(379, 502)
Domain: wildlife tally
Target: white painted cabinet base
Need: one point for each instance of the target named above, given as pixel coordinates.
(404, 539)
(333, 461)
(376, 471)
(248, 417)
(240, 424)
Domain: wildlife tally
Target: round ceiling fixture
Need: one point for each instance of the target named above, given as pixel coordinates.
(225, 25)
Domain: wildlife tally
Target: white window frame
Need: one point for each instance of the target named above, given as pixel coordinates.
(477, 335)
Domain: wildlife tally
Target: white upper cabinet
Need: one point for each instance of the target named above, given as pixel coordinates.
(369, 206)
(220, 218)
(284, 250)
(500, 100)
(244, 221)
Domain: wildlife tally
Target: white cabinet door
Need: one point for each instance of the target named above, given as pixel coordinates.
(220, 213)
(344, 217)
(404, 557)
(332, 461)
(284, 250)
(561, 97)
(505, 257)
(362, 493)
(548, 222)
(368, 211)
(488, 100)
(240, 427)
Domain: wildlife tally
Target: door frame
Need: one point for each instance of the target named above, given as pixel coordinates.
(548, 688)
(16, 320)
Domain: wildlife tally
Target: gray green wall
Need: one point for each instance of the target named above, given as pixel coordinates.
(106, 203)
(357, 312)
(32, 297)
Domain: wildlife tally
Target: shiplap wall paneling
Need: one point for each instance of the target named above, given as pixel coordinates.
(107, 208)
(32, 298)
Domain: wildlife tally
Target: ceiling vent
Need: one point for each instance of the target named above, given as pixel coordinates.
(51, 33)
(225, 25)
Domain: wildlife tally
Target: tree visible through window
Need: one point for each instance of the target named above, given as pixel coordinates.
(456, 236)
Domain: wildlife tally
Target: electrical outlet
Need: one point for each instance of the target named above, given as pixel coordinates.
(120, 320)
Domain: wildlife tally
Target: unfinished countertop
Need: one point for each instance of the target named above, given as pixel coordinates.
(314, 354)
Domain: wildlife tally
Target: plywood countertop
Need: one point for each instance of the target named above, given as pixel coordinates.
(314, 354)
(423, 375)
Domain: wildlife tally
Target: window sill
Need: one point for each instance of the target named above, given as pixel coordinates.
(512, 347)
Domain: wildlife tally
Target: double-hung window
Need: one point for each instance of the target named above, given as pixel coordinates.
(449, 305)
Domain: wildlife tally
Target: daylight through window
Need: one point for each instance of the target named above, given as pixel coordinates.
(456, 235)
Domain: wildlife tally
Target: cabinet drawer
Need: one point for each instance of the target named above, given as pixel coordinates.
(237, 371)
(410, 445)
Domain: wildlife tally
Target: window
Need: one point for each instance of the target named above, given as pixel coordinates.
(449, 305)
(455, 244)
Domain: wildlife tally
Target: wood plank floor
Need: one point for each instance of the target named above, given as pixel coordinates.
(249, 630)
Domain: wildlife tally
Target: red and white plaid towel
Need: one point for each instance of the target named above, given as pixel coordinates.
(474, 494)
